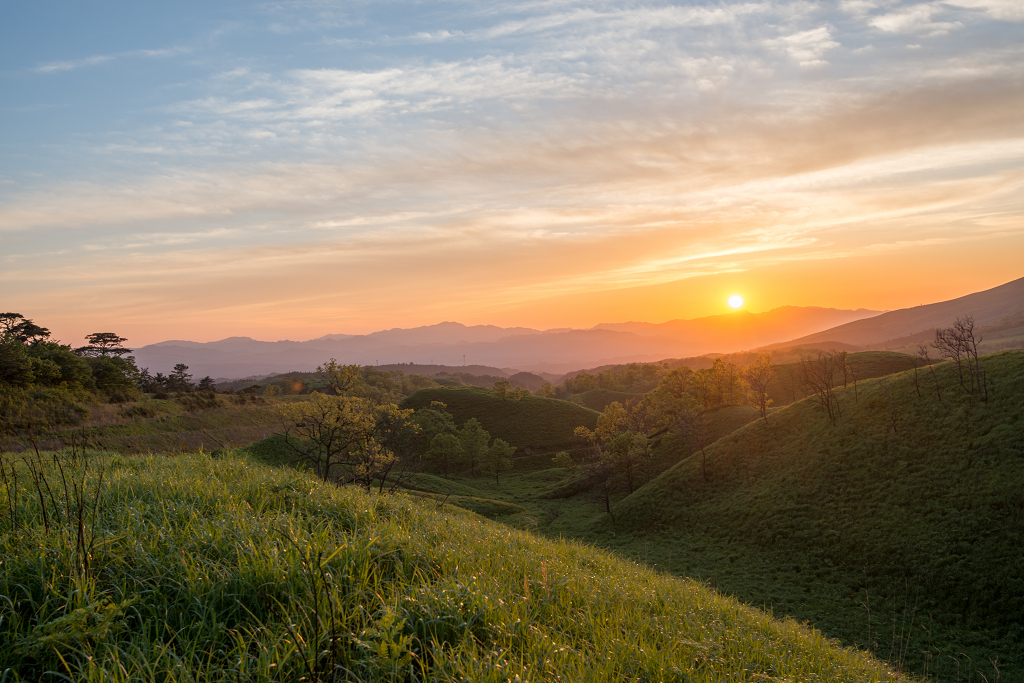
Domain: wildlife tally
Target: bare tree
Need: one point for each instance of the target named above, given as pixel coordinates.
(958, 343)
(819, 377)
(758, 374)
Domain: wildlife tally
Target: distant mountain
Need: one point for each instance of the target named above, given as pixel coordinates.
(513, 349)
(987, 307)
(742, 329)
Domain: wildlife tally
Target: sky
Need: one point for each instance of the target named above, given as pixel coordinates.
(285, 170)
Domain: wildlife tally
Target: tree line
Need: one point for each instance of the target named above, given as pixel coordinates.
(354, 432)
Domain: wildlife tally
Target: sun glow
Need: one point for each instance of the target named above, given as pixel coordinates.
(735, 300)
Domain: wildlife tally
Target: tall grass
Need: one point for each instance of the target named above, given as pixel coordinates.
(225, 569)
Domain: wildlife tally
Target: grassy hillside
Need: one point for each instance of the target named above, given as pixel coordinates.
(533, 422)
(788, 387)
(154, 425)
(223, 569)
(598, 399)
(923, 524)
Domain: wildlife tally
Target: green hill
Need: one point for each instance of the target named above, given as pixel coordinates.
(532, 422)
(922, 524)
(224, 569)
(788, 387)
(598, 399)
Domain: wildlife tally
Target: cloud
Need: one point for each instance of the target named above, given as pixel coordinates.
(1005, 10)
(807, 47)
(73, 64)
(916, 19)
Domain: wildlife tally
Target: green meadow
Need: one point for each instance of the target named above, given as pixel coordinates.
(216, 567)
(178, 539)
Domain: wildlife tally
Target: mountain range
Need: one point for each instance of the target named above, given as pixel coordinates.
(515, 348)
(454, 345)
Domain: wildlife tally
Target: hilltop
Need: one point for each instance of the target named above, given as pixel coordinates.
(531, 423)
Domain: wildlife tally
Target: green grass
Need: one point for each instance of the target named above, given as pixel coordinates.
(819, 521)
(788, 387)
(227, 569)
(598, 399)
(166, 425)
(533, 422)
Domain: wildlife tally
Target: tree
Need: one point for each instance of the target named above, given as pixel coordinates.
(758, 374)
(819, 377)
(103, 344)
(501, 388)
(180, 380)
(518, 394)
(22, 329)
(115, 377)
(446, 449)
(473, 438)
(499, 459)
(546, 390)
(563, 459)
(342, 379)
(703, 386)
(207, 384)
(331, 432)
(373, 463)
(626, 452)
(611, 422)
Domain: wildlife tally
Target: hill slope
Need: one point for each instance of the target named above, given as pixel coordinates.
(533, 422)
(826, 521)
(987, 307)
(263, 574)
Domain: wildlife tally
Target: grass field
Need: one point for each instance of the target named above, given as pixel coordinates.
(531, 423)
(160, 425)
(201, 568)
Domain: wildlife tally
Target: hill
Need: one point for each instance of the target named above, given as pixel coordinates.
(531, 423)
(222, 569)
(922, 521)
(788, 387)
(987, 307)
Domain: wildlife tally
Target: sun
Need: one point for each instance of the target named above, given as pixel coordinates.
(736, 301)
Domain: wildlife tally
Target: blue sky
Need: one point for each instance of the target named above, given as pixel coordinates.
(292, 169)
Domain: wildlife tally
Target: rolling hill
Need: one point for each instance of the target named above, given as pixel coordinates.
(987, 307)
(532, 423)
(911, 511)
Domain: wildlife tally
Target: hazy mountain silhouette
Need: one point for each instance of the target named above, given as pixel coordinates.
(742, 329)
(987, 307)
(517, 348)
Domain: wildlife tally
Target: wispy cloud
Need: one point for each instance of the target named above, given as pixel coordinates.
(94, 60)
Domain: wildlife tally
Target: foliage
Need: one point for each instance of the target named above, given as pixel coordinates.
(341, 436)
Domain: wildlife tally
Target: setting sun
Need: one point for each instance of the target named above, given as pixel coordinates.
(735, 300)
